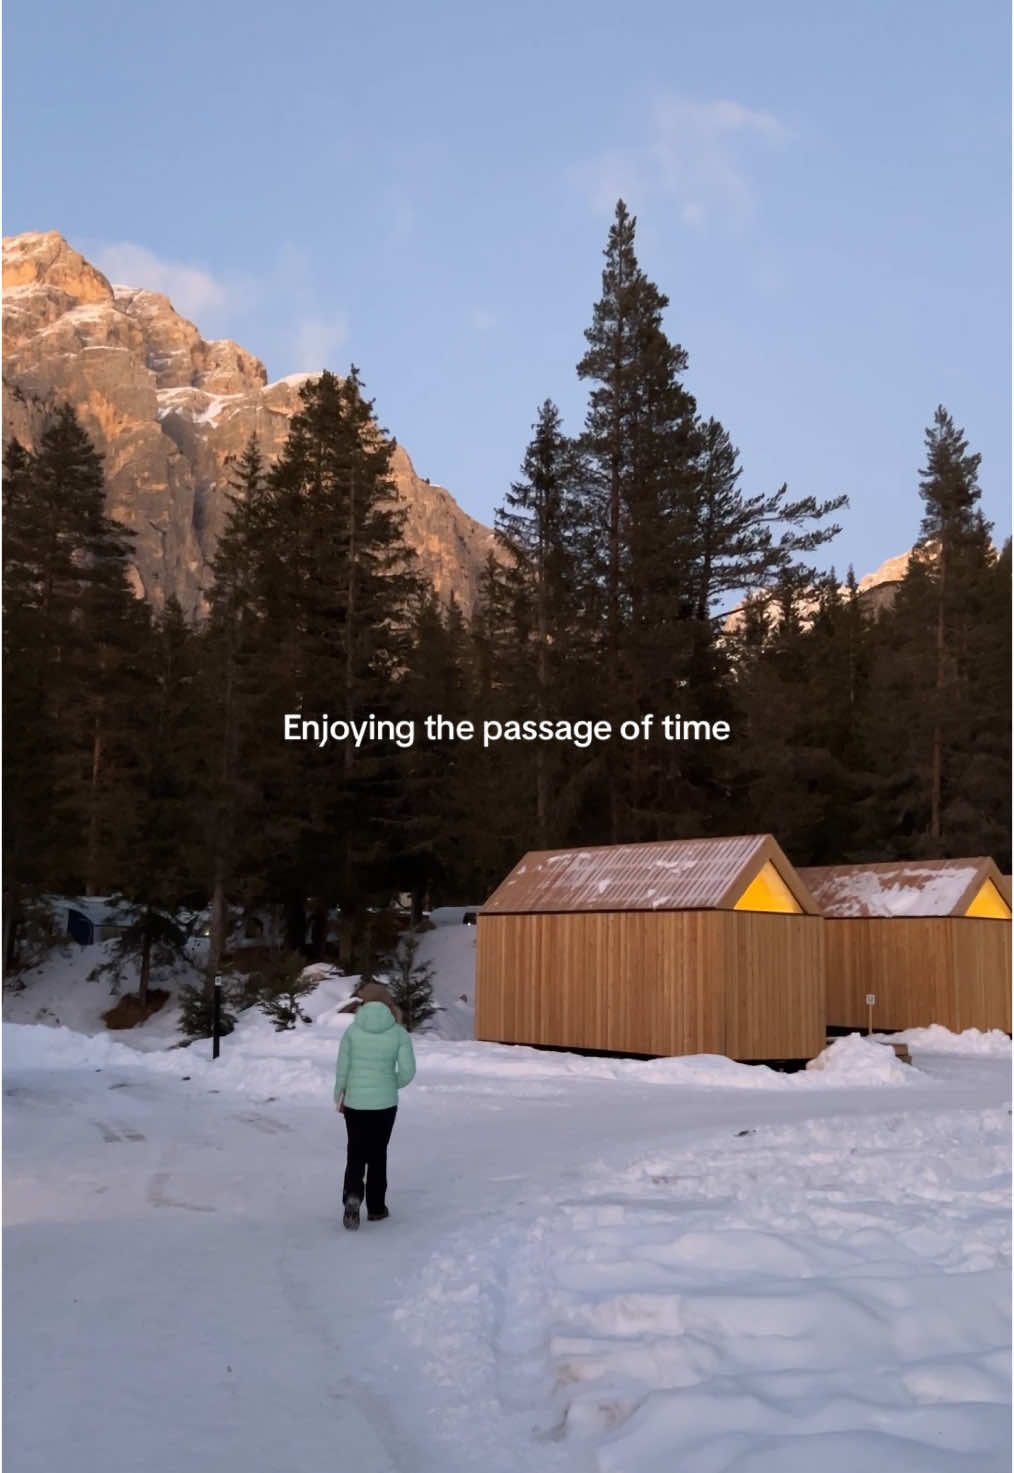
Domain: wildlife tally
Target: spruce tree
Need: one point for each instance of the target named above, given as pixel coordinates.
(802, 764)
(500, 675)
(72, 636)
(753, 543)
(411, 983)
(161, 838)
(639, 441)
(435, 804)
(942, 712)
(954, 540)
(232, 656)
(330, 591)
(544, 534)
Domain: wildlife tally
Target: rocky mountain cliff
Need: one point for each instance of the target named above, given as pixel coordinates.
(876, 592)
(166, 408)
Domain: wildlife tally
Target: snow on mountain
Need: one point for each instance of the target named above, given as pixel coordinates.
(167, 409)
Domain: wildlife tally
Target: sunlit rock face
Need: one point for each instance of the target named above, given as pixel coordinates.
(166, 409)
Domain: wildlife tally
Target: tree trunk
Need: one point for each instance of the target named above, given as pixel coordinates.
(936, 764)
(92, 853)
(348, 937)
(318, 929)
(225, 818)
(295, 923)
(12, 926)
(142, 983)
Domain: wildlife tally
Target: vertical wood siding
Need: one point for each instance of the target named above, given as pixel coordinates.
(775, 1004)
(675, 982)
(950, 970)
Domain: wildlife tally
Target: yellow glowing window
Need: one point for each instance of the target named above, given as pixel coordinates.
(989, 903)
(768, 891)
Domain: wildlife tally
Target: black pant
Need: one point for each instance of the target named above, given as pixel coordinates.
(369, 1132)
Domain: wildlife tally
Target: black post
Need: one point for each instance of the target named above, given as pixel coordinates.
(216, 1024)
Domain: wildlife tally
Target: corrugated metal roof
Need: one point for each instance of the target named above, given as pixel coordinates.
(678, 874)
(912, 887)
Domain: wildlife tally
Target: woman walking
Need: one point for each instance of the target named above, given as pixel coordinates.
(375, 1061)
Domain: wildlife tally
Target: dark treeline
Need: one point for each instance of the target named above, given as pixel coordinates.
(145, 756)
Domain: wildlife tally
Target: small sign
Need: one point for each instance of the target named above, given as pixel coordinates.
(871, 998)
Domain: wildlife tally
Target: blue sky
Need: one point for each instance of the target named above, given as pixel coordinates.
(822, 192)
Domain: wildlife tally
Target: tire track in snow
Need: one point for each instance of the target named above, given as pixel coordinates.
(266, 1124)
(111, 1133)
(156, 1195)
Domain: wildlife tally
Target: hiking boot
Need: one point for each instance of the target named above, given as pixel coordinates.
(377, 1216)
(351, 1217)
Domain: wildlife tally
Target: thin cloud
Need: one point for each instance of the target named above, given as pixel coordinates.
(699, 154)
(316, 340)
(234, 304)
(192, 290)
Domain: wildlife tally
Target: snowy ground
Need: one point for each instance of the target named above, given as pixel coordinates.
(592, 1266)
(59, 993)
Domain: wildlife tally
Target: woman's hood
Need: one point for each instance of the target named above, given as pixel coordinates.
(374, 1017)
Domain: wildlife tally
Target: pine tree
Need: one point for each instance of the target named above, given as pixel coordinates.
(959, 538)
(280, 986)
(434, 815)
(330, 590)
(233, 695)
(411, 983)
(980, 822)
(161, 837)
(942, 710)
(551, 599)
(803, 765)
(500, 675)
(640, 442)
(735, 543)
(72, 633)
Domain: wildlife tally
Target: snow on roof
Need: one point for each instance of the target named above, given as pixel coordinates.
(913, 887)
(675, 874)
(102, 909)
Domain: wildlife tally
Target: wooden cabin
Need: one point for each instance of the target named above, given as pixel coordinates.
(689, 946)
(930, 939)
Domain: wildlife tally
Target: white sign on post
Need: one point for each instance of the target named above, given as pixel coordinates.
(871, 998)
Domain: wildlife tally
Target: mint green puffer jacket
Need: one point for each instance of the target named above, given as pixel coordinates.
(375, 1059)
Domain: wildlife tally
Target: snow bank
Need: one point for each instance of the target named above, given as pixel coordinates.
(450, 949)
(256, 1059)
(34, 1046)
(858, 1060)
(939, 1040)
(60, 992)
(508, 1062)
(858, 1063)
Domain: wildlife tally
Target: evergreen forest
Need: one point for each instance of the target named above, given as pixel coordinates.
(144, 755)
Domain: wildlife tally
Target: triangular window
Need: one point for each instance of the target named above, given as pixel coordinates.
(989, 903)
(767, 891)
